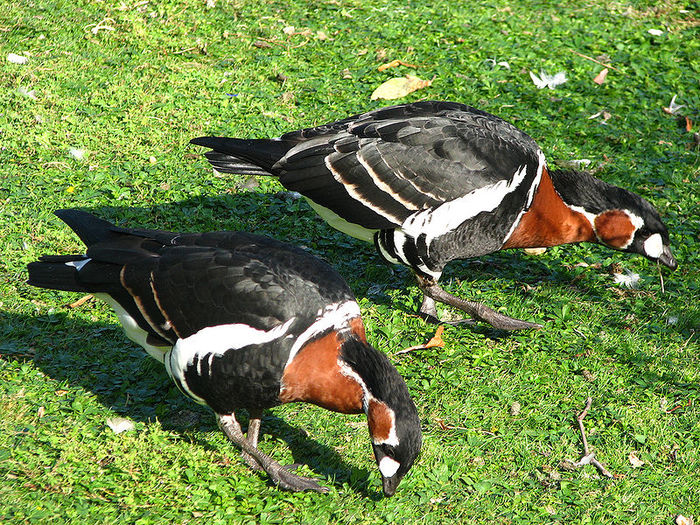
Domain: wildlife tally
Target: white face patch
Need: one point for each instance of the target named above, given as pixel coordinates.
(388, 466)
(654, 246)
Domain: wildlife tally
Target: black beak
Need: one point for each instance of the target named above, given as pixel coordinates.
(389, 485)
(667, 259)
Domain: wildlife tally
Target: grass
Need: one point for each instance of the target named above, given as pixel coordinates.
(131, 82)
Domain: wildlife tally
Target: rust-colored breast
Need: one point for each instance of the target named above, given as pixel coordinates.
(549, 221)
(615, 228)
(314, 376)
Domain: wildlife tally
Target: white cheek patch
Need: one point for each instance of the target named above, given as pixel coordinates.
(654, 246)
(388, 466)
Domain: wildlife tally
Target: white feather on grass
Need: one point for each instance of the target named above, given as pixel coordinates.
(546, 80)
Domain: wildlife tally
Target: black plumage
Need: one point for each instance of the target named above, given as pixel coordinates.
(242, 321)
(430, 182)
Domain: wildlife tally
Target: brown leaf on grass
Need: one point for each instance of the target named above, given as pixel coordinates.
(84, 299)
(436, 340)
(395, 63)
(688, 124)
(600, 77)
(399, 87)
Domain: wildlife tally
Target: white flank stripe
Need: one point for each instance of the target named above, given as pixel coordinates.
(654, 246)
(78, 265)
(215, 340)
(530, 194)
(382, 185)
(133, 331)
(352, 191)
(448, 216)
(388, 466)
(333, 316)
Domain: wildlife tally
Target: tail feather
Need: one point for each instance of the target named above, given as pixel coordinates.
(89, 228)
(57, 273)
(244, 156)
(229, 164)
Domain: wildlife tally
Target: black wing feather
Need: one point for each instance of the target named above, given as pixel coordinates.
(377, 168)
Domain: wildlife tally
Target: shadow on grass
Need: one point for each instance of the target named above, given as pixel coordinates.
(98, 358)
(281, 216)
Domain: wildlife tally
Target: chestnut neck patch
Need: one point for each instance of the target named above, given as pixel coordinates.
(615, 228)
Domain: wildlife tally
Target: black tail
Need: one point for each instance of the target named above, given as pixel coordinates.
(60, 272)
(243, 156)
(89, 228)
(57, 272)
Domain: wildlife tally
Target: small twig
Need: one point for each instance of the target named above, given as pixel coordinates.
(588, 456)
(579, 418)
(594, 60)
(661, 278)
(82, 300)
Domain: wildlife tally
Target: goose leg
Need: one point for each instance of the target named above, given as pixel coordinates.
(434, 292)
(280, 475)
(252, 437)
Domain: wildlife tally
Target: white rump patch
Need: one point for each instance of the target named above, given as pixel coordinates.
(654, 246)
(332, 316)
(388, 466)
(132, 330)
(78, 265)
(448, 216)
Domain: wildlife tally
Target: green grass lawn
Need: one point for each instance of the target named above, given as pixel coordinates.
(130, 82)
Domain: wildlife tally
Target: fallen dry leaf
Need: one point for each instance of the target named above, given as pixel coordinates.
(399, 87)
(395, 63)
(634, 460)
(436, 340)
(600, 77)
(534, 251)
(514, 409)
(82, 300)
(688, 124)
(682, 520)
